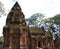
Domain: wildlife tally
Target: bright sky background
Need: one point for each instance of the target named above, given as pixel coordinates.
(30, 7)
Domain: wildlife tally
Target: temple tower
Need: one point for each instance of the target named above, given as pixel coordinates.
(16, 31)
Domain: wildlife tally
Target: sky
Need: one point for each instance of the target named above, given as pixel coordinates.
(29, 7)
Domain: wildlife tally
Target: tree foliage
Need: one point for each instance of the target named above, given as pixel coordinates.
(2, 11)
(55, 19)
(35, 19)
(1, 40)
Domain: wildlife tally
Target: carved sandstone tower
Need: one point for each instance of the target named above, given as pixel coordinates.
(15, 32)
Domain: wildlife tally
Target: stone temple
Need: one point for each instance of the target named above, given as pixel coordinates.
(18, 35)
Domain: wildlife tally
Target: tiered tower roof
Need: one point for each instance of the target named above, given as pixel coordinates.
(16, 15)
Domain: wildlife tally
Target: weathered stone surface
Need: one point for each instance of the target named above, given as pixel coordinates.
(16, 31)
(17, 35)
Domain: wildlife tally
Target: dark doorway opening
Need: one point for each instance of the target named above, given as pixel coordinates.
(39, 44)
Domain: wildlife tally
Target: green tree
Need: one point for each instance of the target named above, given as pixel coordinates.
(55, 19)
(35, 19)
(1, 40)
(2, 10)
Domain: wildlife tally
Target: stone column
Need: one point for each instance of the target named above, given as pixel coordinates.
(37, 41)
(10, 47)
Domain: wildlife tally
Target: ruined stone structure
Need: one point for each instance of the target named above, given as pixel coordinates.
(17, 35)
(41, 38)
(15, 31)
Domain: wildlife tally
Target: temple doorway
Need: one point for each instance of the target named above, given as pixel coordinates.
(39, 44)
